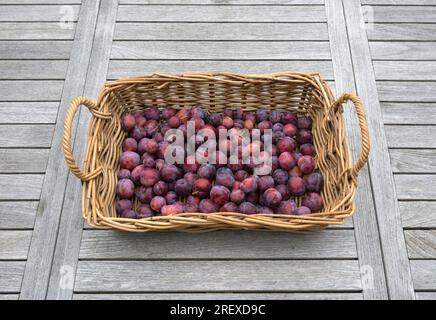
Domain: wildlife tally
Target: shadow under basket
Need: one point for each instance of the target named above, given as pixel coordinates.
(306, 94)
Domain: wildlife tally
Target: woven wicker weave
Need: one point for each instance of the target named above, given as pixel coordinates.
(304, 93)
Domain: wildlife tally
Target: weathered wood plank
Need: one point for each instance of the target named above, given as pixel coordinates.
(9, 296)
(17, 214)
(35, 49)
(128, 68)
(411, 136)
(415, 187)
(36, 13)
(366, 231)
(28, 90)
(413, 160)
(18, 112)
(220, 245)
(221, 31)
(227, 2)
(401, 31)
(246, 50)
(20, 186)
(11, 274)
(41, 1)
(220, 296)
(426, 295)
(424, 275)
(381, 50)
(277, 275)
(33, 69)
(409, 113)
(421, 244)
(26, 136)
(419, 14)
(405, 70)
(38, 266)
(14, 245)
(418, 214)
(406, 91)
(396, 262)
(23, 160)
(191, 13)
(400, 2)
(35, 31)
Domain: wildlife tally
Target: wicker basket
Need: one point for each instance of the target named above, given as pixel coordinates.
(301, 92)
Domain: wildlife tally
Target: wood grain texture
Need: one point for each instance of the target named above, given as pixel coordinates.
(34, 161)
(416, 91)
(128, 68)
(221, 245)
(381, 50)
(221, 31)
(33, 136)
(221, 13)
(278, 275)
(11, 274)
(415, 187)
(409, 113)
(405, 70)
(18, 112)
(424, 275)
(14, 245)
(411, 136)
(400, 2)
(35, 31)
(366, 231)
(413, 160)
(17, 214)
(418, 214)
(426, 295)
(35, 49)
(232, 2)
(421, 244)
(36, 13)
(6, 296)
(396, 263)
(41, 1)
(401, 14)
(20, 186)
(401, 31)
(28, 90)
(33, 69)
(246, 50)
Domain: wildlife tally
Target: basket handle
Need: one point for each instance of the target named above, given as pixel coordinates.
(68, 123)
(364, 134)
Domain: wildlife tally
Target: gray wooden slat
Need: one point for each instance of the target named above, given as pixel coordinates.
(366, 231)
(424, 275)
(14, 245)
(402, 14)
(128, 68)
(20, 186)
(381, 50)
(406, 91)
(221, 245)
(400, 2)
(413, 160)
(23, 160)
(415, 187)
(35, 49)
(35, 13)
(405, 70)
(9, 296)
(17, 214)
(221, 13)
(401, 31)
(246, 50)
(11, 274)
(35, 31)
(418, 214)
(18, 112)
(220, 296)
(421, 244)
(426, 295)
(37, 273)
(234, 2)
(277, 275)
(28, 90)
(396, 263)
(221, 31)
(33, 69)
(411, 136)
(409, 113)
(36, 136)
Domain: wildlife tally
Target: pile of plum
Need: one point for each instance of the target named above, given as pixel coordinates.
(149, 186)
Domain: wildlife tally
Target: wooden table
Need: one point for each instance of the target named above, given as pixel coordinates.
(382, 49)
